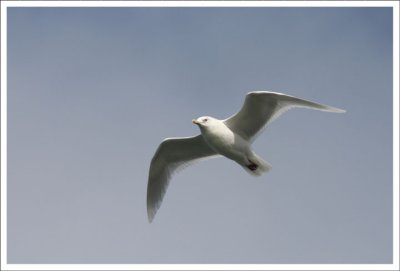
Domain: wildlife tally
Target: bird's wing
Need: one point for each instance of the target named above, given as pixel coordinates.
(172, 154)
(261, 107)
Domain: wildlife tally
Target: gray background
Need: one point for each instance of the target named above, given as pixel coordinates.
(93, 91)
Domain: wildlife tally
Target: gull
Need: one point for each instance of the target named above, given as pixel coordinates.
(231, 138)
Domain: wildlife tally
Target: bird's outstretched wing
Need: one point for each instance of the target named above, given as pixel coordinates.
(172, 154)
(261, 107)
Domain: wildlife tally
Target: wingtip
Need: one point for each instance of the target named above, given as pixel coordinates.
(338, 110)
(326, 107)
(150, 217)
(150, 214)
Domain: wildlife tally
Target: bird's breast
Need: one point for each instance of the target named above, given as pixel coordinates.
(225, 142)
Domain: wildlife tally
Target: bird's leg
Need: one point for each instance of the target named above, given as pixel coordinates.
(253, 166)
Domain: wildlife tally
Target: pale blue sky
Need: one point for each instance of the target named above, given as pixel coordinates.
(93, 91)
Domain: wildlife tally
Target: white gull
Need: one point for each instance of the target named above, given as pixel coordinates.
(231, 138)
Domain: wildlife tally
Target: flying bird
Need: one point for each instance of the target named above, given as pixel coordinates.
(231, 138)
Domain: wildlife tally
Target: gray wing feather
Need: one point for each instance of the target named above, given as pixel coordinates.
(262, 107)
(171, 155)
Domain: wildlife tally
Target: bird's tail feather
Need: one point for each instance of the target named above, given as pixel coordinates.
(256, 166)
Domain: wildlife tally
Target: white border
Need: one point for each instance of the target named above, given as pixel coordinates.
(396, 162)
(3, 136)
(6, 266)
(201, 3)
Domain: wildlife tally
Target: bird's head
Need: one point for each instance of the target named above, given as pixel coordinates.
(204, 122)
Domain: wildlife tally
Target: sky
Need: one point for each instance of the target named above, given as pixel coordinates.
(92, 92)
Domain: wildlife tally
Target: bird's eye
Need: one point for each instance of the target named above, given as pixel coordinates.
(205, 120)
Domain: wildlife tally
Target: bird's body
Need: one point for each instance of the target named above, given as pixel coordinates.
(222, 140)
(225, 142)
(231, 138)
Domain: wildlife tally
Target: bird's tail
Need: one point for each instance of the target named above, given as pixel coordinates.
(256, 166)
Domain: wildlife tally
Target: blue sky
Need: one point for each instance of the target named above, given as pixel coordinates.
(93, 91)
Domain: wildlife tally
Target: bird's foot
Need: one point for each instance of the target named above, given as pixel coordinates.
(252, 166)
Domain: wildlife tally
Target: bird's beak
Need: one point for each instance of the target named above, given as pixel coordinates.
(195, 122)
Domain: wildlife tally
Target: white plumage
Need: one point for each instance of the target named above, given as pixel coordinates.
(231, 138)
